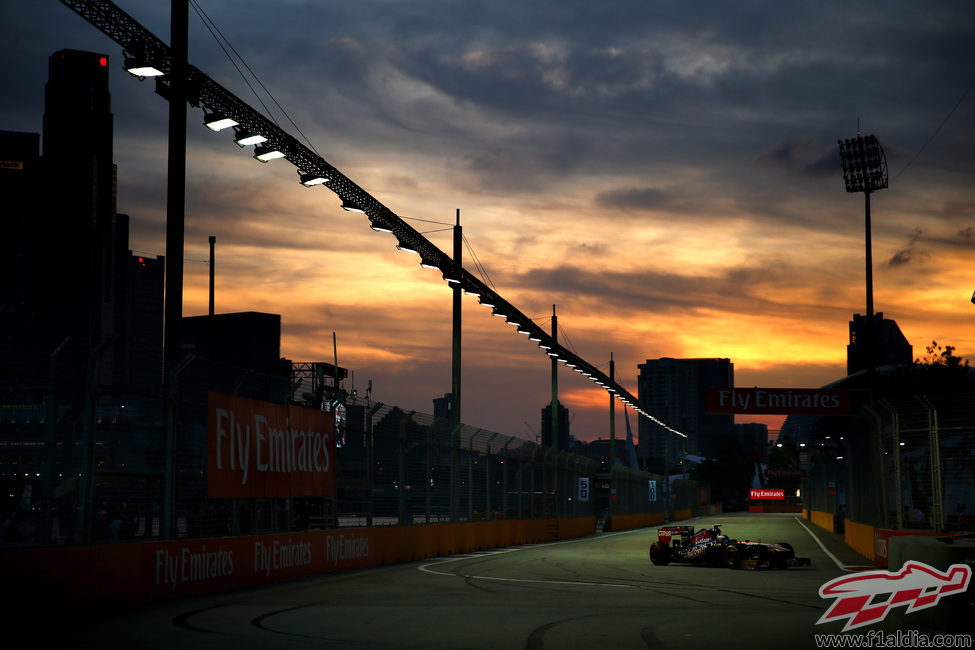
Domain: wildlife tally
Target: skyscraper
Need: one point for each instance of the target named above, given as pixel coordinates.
(563, 423)
(676, 391)
(19, 316)
(83, 244)
(139, 316)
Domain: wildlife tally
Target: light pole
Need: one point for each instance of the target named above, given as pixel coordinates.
(612, 414)
(455, 417)
(555, 384)
(865, 170)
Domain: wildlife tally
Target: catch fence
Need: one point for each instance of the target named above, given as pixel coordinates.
(83, 461)
(905, 462)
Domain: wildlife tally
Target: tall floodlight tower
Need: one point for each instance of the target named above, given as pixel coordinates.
(865, 170)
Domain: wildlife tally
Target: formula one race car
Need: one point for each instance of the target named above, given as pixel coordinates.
(710, 547)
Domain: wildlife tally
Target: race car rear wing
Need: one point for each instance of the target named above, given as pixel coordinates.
(665, 533)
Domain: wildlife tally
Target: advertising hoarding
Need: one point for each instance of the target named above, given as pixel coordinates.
(767, 494)
(263, 450)
(778, 401)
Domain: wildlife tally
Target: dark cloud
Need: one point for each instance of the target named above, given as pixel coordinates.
(642, 199)
(910, 254)
(753, 290)
(804, 154)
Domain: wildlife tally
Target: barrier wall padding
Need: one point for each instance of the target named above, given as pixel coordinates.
(774, 508)
(629, 522)
(142, 572)
(860, 537)
(822, 519)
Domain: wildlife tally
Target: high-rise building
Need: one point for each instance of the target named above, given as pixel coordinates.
(442, 405)
(139, 315)
(64, 251)
(563, 424)
(84, 243)
(889, 347)
(19, 315)
(237, 353)
(676, 391)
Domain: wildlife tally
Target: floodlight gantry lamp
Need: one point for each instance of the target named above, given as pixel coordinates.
(264, 154)
(139, 63)
(217, 121)
(310, 179)
(141, 68)
(243, 138)
(350, 206)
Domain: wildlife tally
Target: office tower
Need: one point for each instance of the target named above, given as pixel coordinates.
(19, 316)
(563, 435)
(81, 238)
(676, 391)
(139, 315)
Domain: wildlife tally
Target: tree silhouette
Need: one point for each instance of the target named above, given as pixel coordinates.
(938, 356)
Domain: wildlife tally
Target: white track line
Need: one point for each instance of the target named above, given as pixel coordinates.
(467, 556)
(835, 559)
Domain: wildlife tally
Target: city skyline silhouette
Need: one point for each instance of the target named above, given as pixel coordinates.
(675, 197)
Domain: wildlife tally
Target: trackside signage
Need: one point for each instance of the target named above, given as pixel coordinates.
(767, 494)
(264, 450)
(204, 565)
(785, 473)
(779, 401)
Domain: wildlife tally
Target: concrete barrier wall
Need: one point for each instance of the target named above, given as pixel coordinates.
(883, 537)
(822, 519)
(118, 575)
(629, 522)
(859, 537)
(945, 553)
(686, 513)
(774, 508)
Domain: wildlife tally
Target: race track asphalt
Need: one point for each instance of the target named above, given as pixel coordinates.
(594, 592)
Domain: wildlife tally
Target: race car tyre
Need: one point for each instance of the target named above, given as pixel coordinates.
(732, 557)
(660, 553)
(782, 563)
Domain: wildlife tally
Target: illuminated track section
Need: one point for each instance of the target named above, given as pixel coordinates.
(140, 44)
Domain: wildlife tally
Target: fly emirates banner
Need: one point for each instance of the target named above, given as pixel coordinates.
(264, 450)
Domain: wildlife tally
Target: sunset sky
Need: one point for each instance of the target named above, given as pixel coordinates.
(666, 173)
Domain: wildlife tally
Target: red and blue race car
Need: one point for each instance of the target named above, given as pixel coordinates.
(709, 546)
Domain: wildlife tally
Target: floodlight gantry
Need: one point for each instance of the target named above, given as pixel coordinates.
(141, 45)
